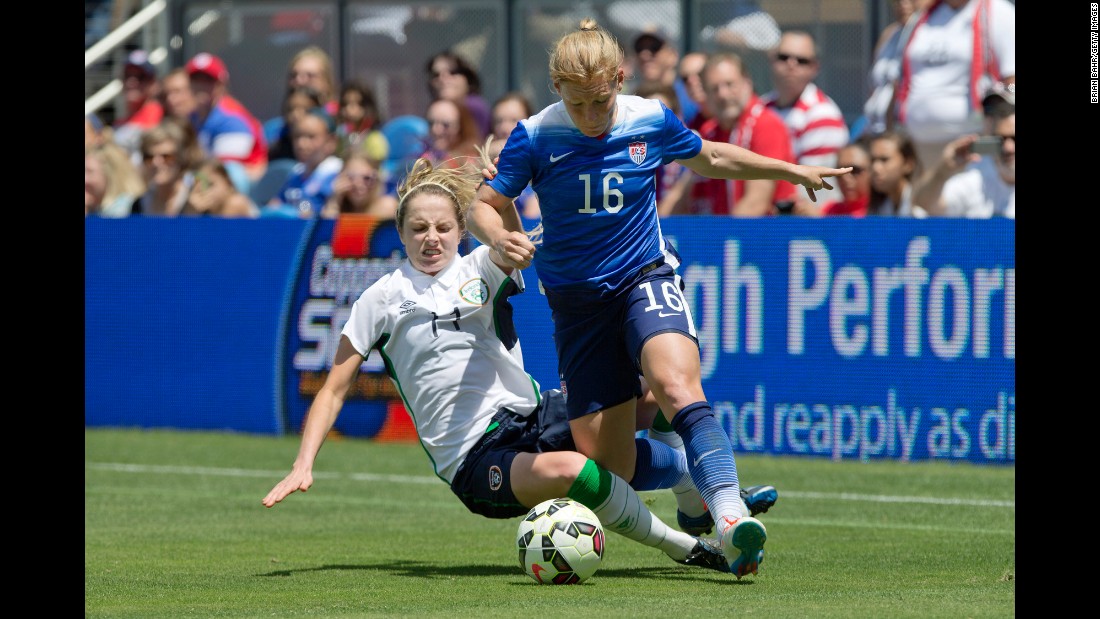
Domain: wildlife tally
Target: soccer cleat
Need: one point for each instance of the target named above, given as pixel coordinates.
(759, 498)
(695, 525)
(743, 545)
(708, 554)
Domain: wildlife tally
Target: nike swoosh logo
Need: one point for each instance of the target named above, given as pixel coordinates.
(704, 455)
(664, 315)
(553, 158)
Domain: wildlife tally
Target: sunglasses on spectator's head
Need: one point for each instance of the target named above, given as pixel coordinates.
(802, 60)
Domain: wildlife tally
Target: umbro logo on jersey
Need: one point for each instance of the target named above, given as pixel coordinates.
(554, 158)
(407, 307)
(637, 152)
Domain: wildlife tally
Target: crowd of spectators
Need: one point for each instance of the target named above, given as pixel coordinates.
(936, 137)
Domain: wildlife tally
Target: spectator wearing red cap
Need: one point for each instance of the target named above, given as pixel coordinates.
(225, 128)
(143, 108)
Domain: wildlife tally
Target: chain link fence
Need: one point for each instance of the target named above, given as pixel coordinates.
(386, 45)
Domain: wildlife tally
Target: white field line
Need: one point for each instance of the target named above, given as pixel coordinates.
(426, 479)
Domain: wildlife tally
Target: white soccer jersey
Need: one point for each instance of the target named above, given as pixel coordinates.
(451, 349)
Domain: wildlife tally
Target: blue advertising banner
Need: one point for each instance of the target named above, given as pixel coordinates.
(879, 338)
(836, 338)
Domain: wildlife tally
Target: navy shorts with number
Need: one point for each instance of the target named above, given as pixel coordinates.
(484, 480)
(600, 344)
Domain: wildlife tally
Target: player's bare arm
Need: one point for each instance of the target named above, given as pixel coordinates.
(319, 420)
(493, 220)
(722, 160)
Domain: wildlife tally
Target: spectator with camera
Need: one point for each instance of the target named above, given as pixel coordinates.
(976, 176)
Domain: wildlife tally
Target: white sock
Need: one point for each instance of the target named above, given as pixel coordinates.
(624, 513)
(688, 499)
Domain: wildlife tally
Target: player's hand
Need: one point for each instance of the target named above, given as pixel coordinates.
(813, 178)
(297, 480)
(515, 249)
(491, 172)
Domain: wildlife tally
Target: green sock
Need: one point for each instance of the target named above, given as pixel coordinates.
(621, 510)
(592, 486)
(661, 424)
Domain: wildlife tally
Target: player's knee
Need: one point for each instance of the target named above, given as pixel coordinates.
(564, 469)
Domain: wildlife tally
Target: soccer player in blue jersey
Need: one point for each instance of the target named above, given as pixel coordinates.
(616, 304)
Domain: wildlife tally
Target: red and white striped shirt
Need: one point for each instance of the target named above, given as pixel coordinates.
(816, 126)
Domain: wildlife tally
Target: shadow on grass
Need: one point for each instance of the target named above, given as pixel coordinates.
(420, 569)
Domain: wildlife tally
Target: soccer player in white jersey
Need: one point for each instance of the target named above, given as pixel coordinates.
(443, 324)
(617, 308)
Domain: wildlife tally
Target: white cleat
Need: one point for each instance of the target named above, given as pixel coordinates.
(743, 545)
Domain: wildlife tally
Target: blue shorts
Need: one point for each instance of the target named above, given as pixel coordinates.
(600, 345)
(484, 480)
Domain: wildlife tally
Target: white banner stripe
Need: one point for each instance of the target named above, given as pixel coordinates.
(426, 479)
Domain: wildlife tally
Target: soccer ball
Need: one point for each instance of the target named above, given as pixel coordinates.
(560, 542)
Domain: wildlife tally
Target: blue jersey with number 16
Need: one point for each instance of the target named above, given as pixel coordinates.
(597, 195)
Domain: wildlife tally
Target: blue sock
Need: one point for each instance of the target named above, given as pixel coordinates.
(659, 466)
(710, 461)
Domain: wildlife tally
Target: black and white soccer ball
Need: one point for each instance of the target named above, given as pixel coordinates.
(560, 542)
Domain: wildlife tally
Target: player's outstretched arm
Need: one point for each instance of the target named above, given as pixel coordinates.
(322, 414)
(723, 160)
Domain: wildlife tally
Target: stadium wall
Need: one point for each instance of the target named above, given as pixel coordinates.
(832, 338)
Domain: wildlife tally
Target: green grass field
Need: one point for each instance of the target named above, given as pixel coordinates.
(173, 527)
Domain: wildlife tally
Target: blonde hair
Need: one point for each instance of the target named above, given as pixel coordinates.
(584, 55)
(122, 177)
(328, 74)
(459, 185)
(180, 133)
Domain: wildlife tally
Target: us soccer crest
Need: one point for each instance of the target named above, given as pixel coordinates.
(637, 152)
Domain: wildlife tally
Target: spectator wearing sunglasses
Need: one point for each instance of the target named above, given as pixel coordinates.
(360, 189)
(658, 63)
(453, 136)
(966, 183)
(451, 76)
(168, 151)
(814, 121)
(691, 72)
